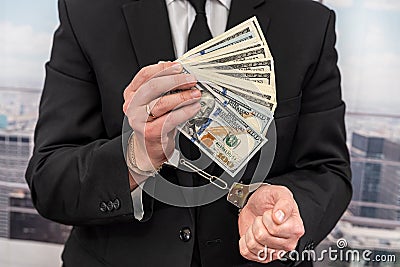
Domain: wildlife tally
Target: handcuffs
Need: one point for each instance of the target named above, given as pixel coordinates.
(238, 193)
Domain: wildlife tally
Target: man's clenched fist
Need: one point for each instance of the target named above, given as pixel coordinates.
(271, 220)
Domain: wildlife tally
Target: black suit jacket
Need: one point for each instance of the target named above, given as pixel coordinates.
(78, 164)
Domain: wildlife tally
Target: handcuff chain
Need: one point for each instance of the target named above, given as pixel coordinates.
(223, 185)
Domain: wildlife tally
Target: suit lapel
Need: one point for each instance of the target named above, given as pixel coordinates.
(150, 33)
(149, 29)
(242, 10)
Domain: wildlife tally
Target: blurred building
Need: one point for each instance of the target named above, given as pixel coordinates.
(15, 150)
(376, 176)
(18, 217)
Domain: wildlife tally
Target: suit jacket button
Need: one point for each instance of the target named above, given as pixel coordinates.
(103, 206)
(110, 205)
(117, 204)
(185, 234)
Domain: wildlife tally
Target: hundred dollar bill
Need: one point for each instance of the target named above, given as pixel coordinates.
(248, 83)
(246, 30)
(206, 57)
(260, 94)
(255, 115)
(222, 135)
(259, 31)
(248, 54)
(256, 31)
(236, 76)
(246, 70)
(247, 90)
(239, 43)
(266, 78)
(264, 65)
(266, 103)
(248, 94)
(244, 40)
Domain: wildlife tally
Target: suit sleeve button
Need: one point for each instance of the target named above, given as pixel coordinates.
(117, 204)
(103, 206)
(110, 205)
(185, 234)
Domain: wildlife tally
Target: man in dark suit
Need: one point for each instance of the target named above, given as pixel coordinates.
(78, 174)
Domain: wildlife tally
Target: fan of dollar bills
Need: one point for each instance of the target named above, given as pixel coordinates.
(236, 76)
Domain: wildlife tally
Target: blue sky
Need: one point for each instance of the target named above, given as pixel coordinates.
(26, 28)
(40, 14)
(368, 44)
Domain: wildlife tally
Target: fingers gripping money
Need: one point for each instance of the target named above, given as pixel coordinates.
(234, 74)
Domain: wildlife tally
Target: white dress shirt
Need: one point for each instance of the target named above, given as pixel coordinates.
(181, 17)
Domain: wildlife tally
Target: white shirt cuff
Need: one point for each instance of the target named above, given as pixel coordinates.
(136, 194)
(137, 202)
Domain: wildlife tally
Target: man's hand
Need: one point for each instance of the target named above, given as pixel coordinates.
(270, 222)
(155, 135)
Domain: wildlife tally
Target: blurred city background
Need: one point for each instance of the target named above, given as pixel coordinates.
(368, 44)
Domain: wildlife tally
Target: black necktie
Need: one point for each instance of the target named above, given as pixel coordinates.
(200, 32)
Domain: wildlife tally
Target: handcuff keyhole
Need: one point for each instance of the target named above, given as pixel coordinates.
(239, 193)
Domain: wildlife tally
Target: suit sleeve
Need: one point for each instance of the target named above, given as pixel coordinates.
(77, 174)
(320, 179)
